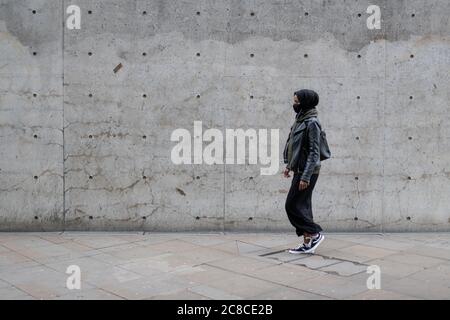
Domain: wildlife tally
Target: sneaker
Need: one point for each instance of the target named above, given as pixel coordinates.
(315, 242)
(310, 247)
(302, 248)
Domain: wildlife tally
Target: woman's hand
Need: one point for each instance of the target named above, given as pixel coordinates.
(302, 185)
(286, 173)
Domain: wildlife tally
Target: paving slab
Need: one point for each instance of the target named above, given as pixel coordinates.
(204, 255)
(419, 289)
(12, 293)
(40, 282)
(415, 259)
(286, 274)
(241, 265)
(214, 293)
(394, 268)
(330, 286)
(142, 289)
(345, 268)
(431, 251)
(367, 251)
(433, 276)
(244, 286)
(238, 247)
(288, 294)
(203, 274)
(315, 262)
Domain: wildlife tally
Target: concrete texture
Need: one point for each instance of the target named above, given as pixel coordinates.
(222, 266)
(85, 148)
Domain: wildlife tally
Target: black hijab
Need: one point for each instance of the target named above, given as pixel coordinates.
(308, 98)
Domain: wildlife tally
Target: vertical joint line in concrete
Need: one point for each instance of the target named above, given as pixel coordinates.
(63, 122)
(224, 179)
(228, 37)
(384, 128)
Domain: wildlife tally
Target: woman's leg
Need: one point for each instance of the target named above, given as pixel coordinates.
(299, 207)
(290, 206)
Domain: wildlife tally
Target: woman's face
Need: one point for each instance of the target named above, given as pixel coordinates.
(296, 99)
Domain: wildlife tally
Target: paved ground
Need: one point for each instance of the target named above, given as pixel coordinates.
(222, 266)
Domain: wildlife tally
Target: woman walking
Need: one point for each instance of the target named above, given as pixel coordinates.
(302, 156)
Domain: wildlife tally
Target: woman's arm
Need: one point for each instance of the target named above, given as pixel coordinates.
(285, 152)
(313, 150)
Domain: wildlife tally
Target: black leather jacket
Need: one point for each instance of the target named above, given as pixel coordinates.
(305, 149)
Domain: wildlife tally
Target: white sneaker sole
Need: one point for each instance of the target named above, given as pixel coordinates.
(298, 252)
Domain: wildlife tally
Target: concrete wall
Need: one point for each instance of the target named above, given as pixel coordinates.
(85, 148)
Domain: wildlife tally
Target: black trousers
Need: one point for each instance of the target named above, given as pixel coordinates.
(299, 207)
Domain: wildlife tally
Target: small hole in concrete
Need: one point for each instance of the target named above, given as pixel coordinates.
(359, 14)
(144, 96)
(91, 217)
(90, 136)
(413, 15)
(250, 218)
(409, 178)
(359, 56)
(144, 218)
(144, 177)
(412, 56)
(198, 13)
(144, 13)
(305, 55)
(34, 53)
(36, 217)
(252, 14)
(90, 95)
(198, 96)
(197, 218)
(34, 11)
(355, 218)
(356, 178)
(89, 53)
(251, 178)
(114, 135)
(34, 95)
(90, 12)
(251, 97)
(198, 54)
(357, 138)
(91, 177)
(306, 13)
(144, 54)
(410, 138)
(197, 177)
(408, 218)
(35, 177)
(144, 137)
(411, 97)
(358, 97)
(35, 136)
(252, 55)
